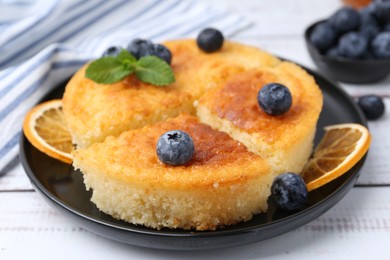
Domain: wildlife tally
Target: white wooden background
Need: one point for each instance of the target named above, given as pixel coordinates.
(358, 227)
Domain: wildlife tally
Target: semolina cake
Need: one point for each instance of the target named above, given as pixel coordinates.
(93, 111)
(239, 149)
(285, 141)
(223, 184)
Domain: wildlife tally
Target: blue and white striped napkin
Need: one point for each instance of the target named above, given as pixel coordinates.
(42, 42)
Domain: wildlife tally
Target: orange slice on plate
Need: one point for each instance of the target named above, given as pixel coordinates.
(340, 149)
(45, 128)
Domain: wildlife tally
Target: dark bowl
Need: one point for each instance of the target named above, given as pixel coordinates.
(347, 70)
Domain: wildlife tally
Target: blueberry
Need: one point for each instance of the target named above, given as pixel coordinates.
(352, 45)
(369, 27)
(368, 10)
(333, 53)
(323, 36)
(112, 51)
(289, 191)
(372, 106)
(380, 9)
(140, 48)
(344, 20)
(380, 45)
(210, 40)
(162, 52)
(175, 148)
(274, 99)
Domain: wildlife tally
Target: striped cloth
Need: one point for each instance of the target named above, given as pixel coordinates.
(43, 42)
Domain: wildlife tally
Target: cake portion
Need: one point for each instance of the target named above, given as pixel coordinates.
(94, 111)
(285, 141)
(231, 151)
(223, 184)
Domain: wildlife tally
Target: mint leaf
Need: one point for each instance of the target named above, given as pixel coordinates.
(153, 70)
(149, 69)
(125, 55)
(108, 70)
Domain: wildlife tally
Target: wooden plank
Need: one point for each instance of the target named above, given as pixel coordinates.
(279, 17)
(377, 167)
(358, 226)
(15, 179)
(381, 88)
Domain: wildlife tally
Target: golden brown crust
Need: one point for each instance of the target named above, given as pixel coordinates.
(94, 111)
(236, 101)
(132, 158)
(97, 110)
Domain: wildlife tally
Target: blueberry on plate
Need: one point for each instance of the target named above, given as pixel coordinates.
(344, 20)
(372, 106)
(175, 148)
(380, 45)
(162, 52)
(275, 99)
(289, 191)
(210, 40)
(352, 45)
(140, 48)
(112, 51)
(323, 36)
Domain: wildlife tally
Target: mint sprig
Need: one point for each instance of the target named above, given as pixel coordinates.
(153, 70)
(149, 69)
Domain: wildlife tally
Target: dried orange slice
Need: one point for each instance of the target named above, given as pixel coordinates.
(340, 149)
(45, 128)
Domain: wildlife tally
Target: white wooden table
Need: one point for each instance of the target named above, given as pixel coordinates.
(357, 227)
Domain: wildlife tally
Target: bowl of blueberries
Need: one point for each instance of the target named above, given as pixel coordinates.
(353, 45)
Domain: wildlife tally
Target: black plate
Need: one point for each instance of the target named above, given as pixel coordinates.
(63, 188)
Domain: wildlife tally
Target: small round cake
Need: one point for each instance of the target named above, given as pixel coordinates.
(285, 141)
(223, 184)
